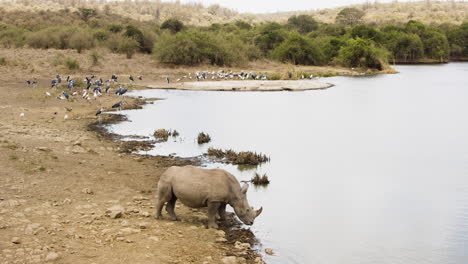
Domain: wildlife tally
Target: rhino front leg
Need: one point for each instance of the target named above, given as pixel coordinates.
(213, 208)
(222, 211)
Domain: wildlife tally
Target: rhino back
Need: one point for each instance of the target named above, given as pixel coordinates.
(194, 186)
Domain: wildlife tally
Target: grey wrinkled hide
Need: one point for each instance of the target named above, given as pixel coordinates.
(196, 187)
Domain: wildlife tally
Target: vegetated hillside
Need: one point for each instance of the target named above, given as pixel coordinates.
(143, 10)
(427, 12)
(301, 40)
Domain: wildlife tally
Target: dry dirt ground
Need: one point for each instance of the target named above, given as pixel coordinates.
(70, 195)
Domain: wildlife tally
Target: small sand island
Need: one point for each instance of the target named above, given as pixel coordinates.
(248, 85)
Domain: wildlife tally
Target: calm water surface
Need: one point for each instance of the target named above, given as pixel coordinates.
(373, 170)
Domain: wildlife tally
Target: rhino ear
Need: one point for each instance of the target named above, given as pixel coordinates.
(244, 188)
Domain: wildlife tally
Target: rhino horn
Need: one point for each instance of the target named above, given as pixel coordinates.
(259, 211)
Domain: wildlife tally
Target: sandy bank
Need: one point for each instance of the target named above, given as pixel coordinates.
(251, 85)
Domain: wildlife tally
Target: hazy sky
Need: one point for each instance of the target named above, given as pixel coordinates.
(278, 5)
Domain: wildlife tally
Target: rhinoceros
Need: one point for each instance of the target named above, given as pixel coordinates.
(196, 188)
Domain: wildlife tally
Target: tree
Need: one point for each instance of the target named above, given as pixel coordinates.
(298, 49)
(350, 16)
(303, 23)
(271, 35)
(404, 47)
(362, 53)
(436, 45)
(366, 32)
(172, 24)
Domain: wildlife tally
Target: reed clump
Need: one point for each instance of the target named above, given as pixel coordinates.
(238, 158)
(162, 134)
(203, 138)
(258, 179)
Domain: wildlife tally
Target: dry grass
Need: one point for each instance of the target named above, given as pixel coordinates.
(203, 138)
(238, 158)
(258, 179)
(162, 134)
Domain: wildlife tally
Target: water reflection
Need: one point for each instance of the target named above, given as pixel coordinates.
(373, 170)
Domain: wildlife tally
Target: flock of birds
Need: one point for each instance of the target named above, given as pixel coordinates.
(222, 75)
(97, 87)
(94, 88)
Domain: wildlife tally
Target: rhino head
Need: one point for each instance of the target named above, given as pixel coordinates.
(243, 210)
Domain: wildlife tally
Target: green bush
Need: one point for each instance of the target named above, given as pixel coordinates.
(115, 28)
(270, 36)
(195, 47)
(12, 37)
(3, 61)
(81, 40)
(404, 47)
(303, 23)
(298, 49)
(72, 64)
(128, 46)
(362, 53)
(95, 57)
(172, 24)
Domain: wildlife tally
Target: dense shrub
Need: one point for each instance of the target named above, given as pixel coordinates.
(12, 37)
(270, 36)
(173, 25)
(366, 32)
(195, 47)
(404, 47)
(362, 53)
(72, 64)
(298, 49)
(81, 40)
(303, 23)
(128, 46)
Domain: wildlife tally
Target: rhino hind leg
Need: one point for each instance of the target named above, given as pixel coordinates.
(164, 192)
(170, 208)
(213, 210)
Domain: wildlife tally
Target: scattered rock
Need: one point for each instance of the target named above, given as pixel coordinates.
(229, 260)
(45, 149)
(87, 191)
(241, 246)
(145, 214)
(33, 229)
(221, 239)
(154, 238)
(52, 256)
(143, 225)
(115, 211)
(129, 231)
(269, 251)
(16, 240)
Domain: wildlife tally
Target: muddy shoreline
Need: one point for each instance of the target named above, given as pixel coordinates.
(234, 233)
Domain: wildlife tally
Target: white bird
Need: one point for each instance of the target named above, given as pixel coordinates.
(22, 115)
(47, 93)
(65, 117)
